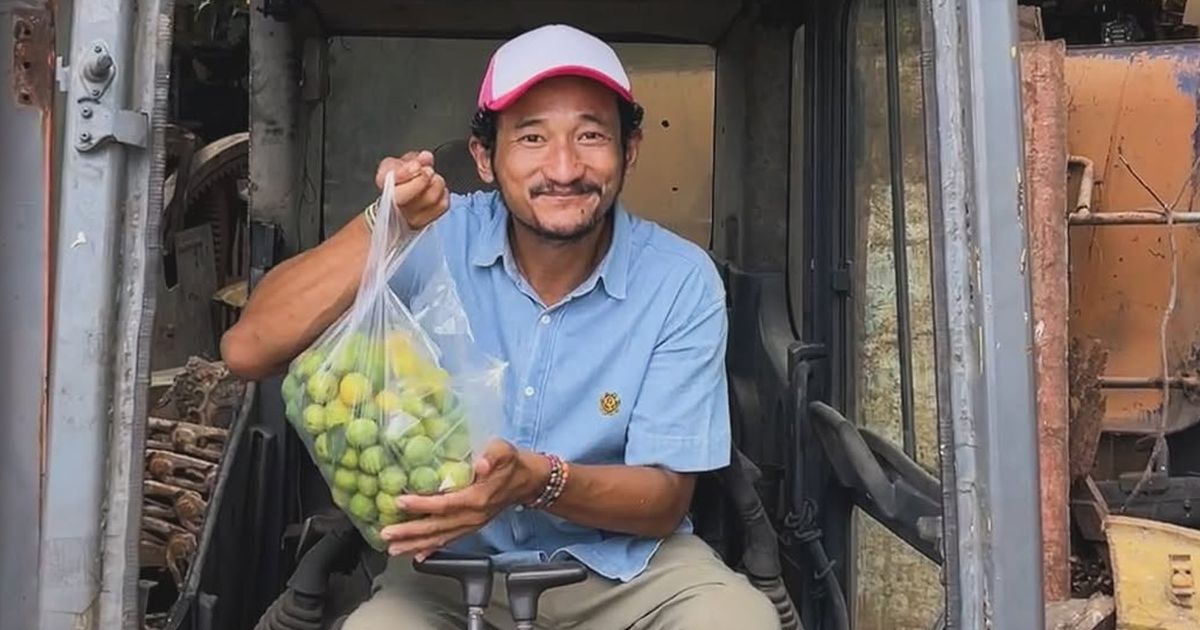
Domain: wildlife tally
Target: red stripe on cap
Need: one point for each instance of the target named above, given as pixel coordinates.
(503, 101)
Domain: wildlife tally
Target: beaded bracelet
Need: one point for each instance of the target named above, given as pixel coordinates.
(560, 471)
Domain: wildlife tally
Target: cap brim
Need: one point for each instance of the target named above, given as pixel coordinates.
(502, 101)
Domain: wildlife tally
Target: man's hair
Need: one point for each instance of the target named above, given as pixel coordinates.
(483, 124)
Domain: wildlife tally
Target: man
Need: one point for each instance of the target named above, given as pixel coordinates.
(614, 330)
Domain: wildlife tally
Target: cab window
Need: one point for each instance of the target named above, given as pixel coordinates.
(892, 373)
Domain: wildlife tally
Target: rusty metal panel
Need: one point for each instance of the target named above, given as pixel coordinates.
(33, 56)
(1133, 111)
(1044, 101)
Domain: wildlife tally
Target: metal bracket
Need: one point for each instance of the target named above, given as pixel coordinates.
(96, 71)
(100, 125)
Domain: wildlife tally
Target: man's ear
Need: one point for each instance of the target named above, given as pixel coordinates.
(483, 161)
(631, 150)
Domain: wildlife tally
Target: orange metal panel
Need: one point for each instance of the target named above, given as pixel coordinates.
(1133, 111)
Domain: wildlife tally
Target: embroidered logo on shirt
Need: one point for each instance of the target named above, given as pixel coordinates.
(610, 403)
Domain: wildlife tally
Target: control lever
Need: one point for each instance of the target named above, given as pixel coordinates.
(886, 483)
(526, 585)
(473, 572)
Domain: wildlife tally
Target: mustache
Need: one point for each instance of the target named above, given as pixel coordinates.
(577, 187)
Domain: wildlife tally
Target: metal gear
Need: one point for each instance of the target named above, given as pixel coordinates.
(212, 196)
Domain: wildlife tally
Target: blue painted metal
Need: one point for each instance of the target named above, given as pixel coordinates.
(987, 421)
(109, 201)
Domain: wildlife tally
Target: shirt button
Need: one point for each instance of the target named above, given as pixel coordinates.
(529, 391)
(545, 319)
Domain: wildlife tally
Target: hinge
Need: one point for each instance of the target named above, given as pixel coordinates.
(839, 279)
(33, 48)
(100, 125)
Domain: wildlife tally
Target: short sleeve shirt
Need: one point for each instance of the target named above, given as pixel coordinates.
(629, 368)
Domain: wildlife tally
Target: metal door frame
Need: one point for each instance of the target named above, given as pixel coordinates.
(987, 425)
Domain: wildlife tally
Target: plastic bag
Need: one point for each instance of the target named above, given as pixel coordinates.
(395, 396)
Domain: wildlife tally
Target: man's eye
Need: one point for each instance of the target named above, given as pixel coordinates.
(593, 136)
(531, 138)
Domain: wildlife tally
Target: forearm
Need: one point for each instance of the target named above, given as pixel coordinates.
(636, 500)
(295, 302)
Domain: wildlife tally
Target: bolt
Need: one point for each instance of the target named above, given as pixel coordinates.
(86, 112)
(98, 69)
(85, 137)
(97, 49)
(95, 91)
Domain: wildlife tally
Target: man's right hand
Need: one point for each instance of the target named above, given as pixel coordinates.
(420, 194)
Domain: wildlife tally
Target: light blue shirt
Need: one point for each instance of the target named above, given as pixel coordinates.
(629, 368)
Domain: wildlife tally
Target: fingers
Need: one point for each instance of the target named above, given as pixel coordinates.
(470, 498)
(497, 454)
(423, 547)
(404, 167)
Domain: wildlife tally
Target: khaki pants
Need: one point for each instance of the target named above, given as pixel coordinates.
(686, 587)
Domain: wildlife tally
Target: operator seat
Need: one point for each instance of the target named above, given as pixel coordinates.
(453, 161)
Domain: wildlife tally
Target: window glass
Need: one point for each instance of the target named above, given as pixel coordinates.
(895, 587)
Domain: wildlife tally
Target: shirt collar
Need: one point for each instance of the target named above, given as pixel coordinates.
(612, 273)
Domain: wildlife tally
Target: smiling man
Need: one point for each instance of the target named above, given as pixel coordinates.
(615, 333)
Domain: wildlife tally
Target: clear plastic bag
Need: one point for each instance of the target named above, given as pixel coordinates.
(395, 396)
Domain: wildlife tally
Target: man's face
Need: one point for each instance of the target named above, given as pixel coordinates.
(558, 159)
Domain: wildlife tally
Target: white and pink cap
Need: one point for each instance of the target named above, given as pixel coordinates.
(549, 51)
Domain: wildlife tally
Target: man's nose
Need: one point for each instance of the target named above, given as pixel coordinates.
(563, 165)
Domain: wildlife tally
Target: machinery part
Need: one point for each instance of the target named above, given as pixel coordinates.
(526, 585)
(302, 605)
(474, 574)
(220, 163)
(775, 591)
(1153, 573)
(292, 611)
(888, 485)
(760, 558)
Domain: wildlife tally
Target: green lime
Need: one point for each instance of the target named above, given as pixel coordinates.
(373, 459)
(368, 485)
(314, 419)
(345, 479)
(455, 476)
(349, 458)
(392, 480)
(386, 504)
(341, 498)
(322, 386)
(321, 447)
(424, 480)
(363, 507)
(418, 452)
(362, 433)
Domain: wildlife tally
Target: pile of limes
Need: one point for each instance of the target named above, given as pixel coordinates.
(380, 419)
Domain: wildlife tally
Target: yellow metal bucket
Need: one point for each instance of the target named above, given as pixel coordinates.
(1153, 579)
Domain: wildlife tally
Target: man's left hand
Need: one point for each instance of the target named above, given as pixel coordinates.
(503, 477)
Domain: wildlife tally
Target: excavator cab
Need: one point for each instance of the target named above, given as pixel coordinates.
(855, 168)
(746, 124)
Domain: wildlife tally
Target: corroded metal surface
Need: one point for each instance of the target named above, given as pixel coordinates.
(1134, 112)
(33, 56)
(1045, 114)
